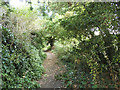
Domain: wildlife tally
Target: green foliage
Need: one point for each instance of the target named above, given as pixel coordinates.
(92, 60)
(21, 58)
(97, 54)
(20, 66)
(38, 42)
(55, 6)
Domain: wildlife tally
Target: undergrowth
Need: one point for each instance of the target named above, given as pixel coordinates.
(21, 65)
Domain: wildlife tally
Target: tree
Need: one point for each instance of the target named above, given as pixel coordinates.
(100, 52)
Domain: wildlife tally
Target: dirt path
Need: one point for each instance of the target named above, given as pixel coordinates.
(52, 68)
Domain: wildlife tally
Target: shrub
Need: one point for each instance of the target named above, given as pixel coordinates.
(21, 65)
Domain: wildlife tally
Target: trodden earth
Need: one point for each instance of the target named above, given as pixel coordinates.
(52, 68)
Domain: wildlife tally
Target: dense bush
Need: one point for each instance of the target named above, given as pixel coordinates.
(95, 55)
(21, 64)
(21, 59)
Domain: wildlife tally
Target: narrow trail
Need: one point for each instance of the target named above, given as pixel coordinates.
(53, 67)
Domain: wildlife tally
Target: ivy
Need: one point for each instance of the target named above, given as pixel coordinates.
(20, 68)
